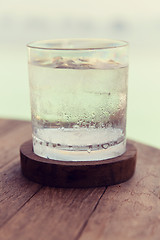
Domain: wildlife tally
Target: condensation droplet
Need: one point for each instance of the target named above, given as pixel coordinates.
(89, 150)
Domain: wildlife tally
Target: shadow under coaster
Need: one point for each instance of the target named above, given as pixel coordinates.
(79, 174)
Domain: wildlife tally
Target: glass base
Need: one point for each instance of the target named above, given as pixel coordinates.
(57, 153)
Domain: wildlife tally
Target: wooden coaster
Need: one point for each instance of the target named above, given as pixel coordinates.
(66, 174)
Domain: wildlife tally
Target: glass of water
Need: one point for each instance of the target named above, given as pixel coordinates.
(78, 92)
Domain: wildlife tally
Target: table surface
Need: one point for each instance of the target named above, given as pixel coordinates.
(29, 211)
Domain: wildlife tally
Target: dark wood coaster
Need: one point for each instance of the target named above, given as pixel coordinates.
(66, 174)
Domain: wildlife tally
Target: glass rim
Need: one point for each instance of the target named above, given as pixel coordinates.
(39, 44)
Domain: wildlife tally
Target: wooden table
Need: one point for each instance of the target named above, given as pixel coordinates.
(29, 211)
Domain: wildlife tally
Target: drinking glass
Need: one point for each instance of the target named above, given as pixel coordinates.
(78, 92)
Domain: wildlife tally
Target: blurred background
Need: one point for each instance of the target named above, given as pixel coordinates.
(137, 22)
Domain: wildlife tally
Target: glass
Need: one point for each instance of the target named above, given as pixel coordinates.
(78, 92)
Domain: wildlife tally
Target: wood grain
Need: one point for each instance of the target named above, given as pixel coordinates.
(12, 139)
(7, 125)
(56, 173)
(130, 210)
(15, 190)
(53, 214)
(127, 211)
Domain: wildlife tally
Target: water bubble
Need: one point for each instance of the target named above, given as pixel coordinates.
(76, 125)
(84, 123)
(90, 148)
(105, 146)
(85, 116)
(80, 122)
(112, 143)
